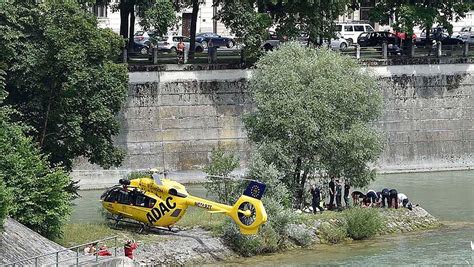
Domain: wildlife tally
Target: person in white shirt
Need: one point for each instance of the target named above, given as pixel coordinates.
(403, 199)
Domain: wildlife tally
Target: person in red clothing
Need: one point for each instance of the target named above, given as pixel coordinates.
(129, 247)
(103, 251)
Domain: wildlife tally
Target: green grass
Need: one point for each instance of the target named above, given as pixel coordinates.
(200, 217)
(77, 233)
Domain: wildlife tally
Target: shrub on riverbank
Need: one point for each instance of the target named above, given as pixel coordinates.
(332, 233)
(363, 223)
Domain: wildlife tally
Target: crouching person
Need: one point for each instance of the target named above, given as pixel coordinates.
(403, 200)
(393, 199)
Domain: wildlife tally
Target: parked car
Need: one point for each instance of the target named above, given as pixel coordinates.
(464, 31)
(468, 38)
(273, 41)
(368, 39)
(351, 31)
(444, 38)
(376, 39)
(339, 43)
(217, 40)
(169, 43)
(144, 38)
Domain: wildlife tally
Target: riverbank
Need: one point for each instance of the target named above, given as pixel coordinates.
(196, 245)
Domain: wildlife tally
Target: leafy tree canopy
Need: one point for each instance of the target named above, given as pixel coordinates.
(158, 15)
(30, 191)
(313, 112)
(62, 77)
(424, 14)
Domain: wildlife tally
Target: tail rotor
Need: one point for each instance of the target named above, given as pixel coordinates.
(248, 212)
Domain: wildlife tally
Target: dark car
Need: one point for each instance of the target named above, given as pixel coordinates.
(368, 39)
(217, 40)
(444, 38)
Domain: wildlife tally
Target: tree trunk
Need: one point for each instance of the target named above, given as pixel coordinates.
(132, 26)
(123, 20)
(296, 183)
(194, 15)
(48, 110)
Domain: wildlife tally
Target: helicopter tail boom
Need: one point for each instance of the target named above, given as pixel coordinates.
(248, 212)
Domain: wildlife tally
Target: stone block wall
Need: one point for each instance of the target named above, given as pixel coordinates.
(175, 118)
(428, 117)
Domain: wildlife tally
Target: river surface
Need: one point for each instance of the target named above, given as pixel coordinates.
(448, 196)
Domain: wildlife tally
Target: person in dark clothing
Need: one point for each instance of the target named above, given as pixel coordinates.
(393, 198)
(315, 203)
(385, 195)
(338, 195)
(356, 197)
(332, 191)
(371, 198)
(347, 187)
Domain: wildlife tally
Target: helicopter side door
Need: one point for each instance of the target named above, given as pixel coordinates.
(139, 204)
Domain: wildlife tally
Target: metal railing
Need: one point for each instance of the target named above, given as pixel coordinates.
(35, 260)
(386, 52)
(155, 56)
(380, 52)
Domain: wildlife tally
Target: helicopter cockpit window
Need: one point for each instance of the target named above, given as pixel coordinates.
(151, 202)
(112, 196)
(123, 197)
(140, 200)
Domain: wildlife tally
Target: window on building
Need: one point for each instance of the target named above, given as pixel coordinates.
(367, 3)
(100, 11)
(364, 14)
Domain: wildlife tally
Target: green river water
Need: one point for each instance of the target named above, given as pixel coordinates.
(447, 195)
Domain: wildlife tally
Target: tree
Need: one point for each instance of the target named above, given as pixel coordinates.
(424, 14)
(62, 77)
(292, 18)
(4, 195)
(313, 113)
(158, 15)
(246, 23)
(221, 165)
(30, 191)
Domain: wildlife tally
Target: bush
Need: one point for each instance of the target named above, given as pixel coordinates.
(226, 190)
(4, 202)
(270, 237)
(363, 223)
(267, 240)
(332, 233)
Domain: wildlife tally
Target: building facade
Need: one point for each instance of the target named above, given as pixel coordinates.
(109, 18)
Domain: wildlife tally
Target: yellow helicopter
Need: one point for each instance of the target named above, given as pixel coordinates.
(160, 202)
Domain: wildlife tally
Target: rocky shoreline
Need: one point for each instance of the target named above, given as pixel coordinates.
(197, 246)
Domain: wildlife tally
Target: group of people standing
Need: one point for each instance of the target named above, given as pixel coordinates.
(339, 190)
(335, 195)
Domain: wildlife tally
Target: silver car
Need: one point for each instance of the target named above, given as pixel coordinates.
(170, 43)
(338, 43)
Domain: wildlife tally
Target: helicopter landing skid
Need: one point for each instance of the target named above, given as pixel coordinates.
(117, 219)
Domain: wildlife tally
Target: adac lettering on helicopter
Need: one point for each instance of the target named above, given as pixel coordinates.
(157, 212)
(202, 205)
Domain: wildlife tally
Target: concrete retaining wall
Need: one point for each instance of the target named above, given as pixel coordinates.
(175, 119)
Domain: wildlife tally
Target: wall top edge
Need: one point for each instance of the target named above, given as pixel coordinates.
(243, 74)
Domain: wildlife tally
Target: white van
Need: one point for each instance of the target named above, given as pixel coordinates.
(351, 31)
